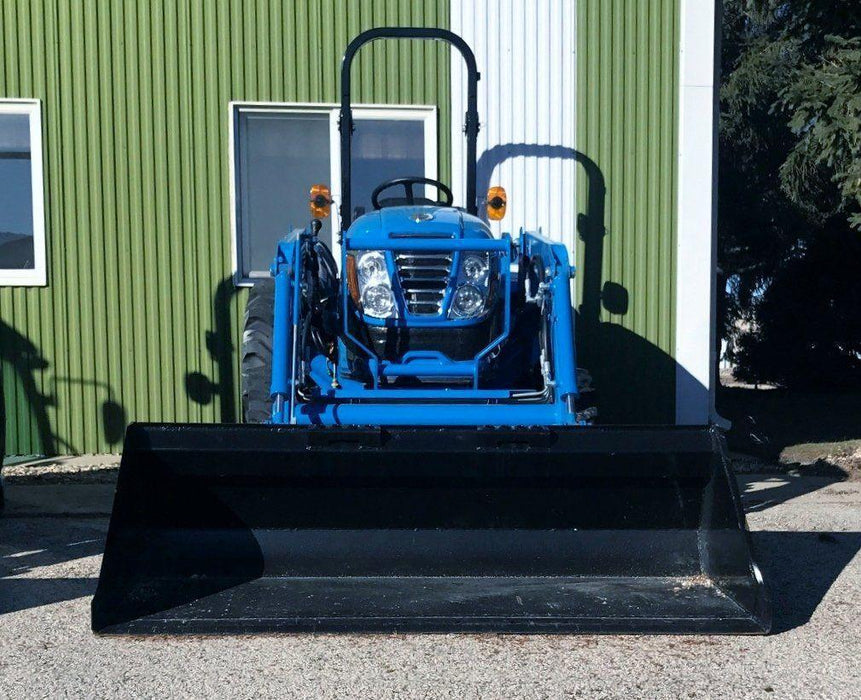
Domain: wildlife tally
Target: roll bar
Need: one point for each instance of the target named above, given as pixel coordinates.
(345, 121)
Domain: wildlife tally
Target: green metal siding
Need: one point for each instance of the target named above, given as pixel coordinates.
(134, 98)
(627, 96)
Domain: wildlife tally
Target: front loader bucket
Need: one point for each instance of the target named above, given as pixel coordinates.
(229, 529)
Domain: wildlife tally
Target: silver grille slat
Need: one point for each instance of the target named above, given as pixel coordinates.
(424, 278)
(432, 256)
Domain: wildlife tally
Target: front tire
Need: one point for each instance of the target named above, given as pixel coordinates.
(256, 362)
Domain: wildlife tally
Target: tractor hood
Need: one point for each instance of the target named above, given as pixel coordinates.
(419, 222)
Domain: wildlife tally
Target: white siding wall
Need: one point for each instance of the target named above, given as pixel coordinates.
(697, 239)
(526, 53)
(526, 56)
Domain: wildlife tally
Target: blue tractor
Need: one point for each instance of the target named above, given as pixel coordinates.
(417, 453)
(434, 321)
(429, 325)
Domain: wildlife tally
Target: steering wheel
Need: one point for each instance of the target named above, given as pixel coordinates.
(407, 183)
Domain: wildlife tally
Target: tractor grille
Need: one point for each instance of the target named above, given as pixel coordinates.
(424, 278)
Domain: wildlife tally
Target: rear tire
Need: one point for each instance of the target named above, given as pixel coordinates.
(256, 364)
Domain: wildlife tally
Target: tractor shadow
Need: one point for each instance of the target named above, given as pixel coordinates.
(763, 491)
(220, 346)
(635, 380)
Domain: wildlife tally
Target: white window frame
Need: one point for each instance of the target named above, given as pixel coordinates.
(427, 113)
(38, 276)
(393, 113)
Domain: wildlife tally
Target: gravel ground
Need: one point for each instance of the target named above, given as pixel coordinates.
(807, 532)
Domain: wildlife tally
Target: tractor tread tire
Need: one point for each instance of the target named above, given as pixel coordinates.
(256, 361)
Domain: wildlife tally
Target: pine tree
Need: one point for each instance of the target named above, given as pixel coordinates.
(790, 189)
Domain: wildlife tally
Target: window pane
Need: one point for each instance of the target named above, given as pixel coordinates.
(279, 157)
(384, 149)
(16, 194)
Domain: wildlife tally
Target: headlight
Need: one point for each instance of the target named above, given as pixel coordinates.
(372, 267)
(475, 267)
(370, 284)
(475, 285)
(468, 301)
(378, 300)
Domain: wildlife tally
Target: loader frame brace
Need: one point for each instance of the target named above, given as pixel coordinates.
(346, 125)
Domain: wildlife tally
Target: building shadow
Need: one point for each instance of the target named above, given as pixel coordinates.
(800, 568)
(30, 544)
(25, 593)
(635, 380)
(761, 492)
(767, 421)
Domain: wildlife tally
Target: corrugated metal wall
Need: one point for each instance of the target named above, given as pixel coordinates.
(582, 95)
(134, 98)
(134, 102)
(527, 105)
(627, 113)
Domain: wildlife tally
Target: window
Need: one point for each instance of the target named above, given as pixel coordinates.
(22, 218)
(279, 150)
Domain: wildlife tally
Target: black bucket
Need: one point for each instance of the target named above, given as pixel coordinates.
(238, 529)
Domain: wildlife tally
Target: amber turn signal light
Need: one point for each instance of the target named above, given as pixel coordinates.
(497, 200)
(353, 281)
(320, 201)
